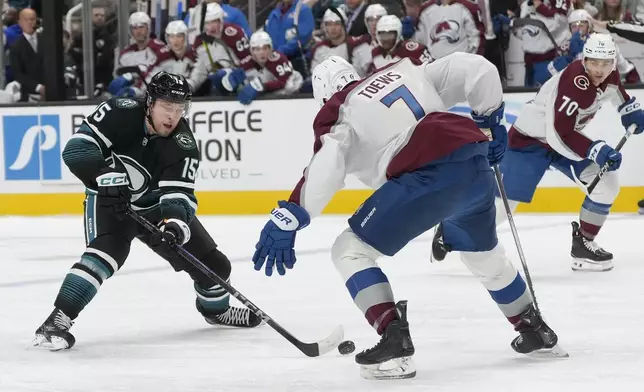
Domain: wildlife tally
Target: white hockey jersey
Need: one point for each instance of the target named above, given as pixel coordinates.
(535, 40)
(453, 27)
(169, 62)
(561, 110)
(131, 56)
(369, 129)
(356, 50)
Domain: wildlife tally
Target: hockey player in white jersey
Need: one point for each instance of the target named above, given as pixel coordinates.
(177, 57)
(391, 46)
(549, 133)
(393, 132)
(362, 58)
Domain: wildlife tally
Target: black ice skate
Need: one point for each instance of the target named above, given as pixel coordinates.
(231, 317)
(54, 334)
(536, 338)
(391, 357)
(640, 207)
(587, 255)
(439, 249)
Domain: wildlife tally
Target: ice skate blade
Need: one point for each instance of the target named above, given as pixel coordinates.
(583, 265)
(547, 353)
(56, 343)
(395, 369)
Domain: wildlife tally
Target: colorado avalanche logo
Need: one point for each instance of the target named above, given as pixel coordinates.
(411, 45)
(531, 31)
(447, 30)
(274, 56)
(581, 82)
(231, 31)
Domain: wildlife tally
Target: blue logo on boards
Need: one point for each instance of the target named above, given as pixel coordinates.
(32, 147)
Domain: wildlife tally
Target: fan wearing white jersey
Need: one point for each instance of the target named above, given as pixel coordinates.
(336, 42)
(361, 58)
(549, 133)
(393, 132)
(391, 47)
(135, 59)
(221, 45)
(267, 71)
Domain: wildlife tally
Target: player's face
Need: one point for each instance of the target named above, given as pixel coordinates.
(582, 27)
(334, 30)
(261, 53)
(140, 33)
(598, 69)
(387, 40)
(213, 28)
(371, 24)
(177, 42)
(166, 115)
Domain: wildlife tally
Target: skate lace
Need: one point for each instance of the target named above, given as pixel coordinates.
(62, 321)
(592, 246)
(234, 316)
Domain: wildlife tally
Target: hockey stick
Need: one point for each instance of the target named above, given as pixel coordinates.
(296, 23)
(309, 349)
(515, 234)
(588, 189)
(520, 22)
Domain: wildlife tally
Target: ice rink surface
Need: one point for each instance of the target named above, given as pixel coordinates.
(142, 332)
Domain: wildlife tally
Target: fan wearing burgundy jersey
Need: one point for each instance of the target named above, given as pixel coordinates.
(391, 47)
(549, 132)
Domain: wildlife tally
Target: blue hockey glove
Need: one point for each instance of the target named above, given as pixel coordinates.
(276, 242)
(602, 154)
(576, 44)
(408, 25)
(128, 92)
(120, 83)
(632, 113)
(250, 91)
(235, 78)
(216, 79)
(498, 133)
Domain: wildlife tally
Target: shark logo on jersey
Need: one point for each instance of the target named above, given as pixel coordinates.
(184, 141)
(32, 147)
(126, 103)
(138, 176)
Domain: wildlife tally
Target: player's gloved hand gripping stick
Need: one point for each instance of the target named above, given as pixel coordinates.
(310, 349)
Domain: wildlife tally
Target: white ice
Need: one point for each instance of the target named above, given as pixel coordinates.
(142, 332)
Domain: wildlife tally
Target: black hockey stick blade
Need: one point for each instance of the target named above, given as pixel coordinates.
(309, 349)
(588, 189)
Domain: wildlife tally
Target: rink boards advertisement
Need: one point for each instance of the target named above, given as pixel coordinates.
(251, 156)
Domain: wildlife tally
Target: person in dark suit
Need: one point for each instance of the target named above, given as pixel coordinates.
(26, 60)
(355, 17)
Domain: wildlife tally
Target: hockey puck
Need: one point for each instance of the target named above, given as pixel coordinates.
(346, 347)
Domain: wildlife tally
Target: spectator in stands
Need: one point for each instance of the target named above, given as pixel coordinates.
(12, 32)
(286, 38)
(195, 16)
(104, 46)
(498, 41)
(355, 9)
(26, 60)
(614, 10)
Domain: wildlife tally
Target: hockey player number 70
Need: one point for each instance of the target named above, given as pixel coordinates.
(402, 92)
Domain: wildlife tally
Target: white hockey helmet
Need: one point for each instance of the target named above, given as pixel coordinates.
(176, 27)
(374, 11)
(331, 76)
(214, 12)
(139, 18)
(389, 23)
(338, 16)
(259, 39)
(577, 16)
(600, 46)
